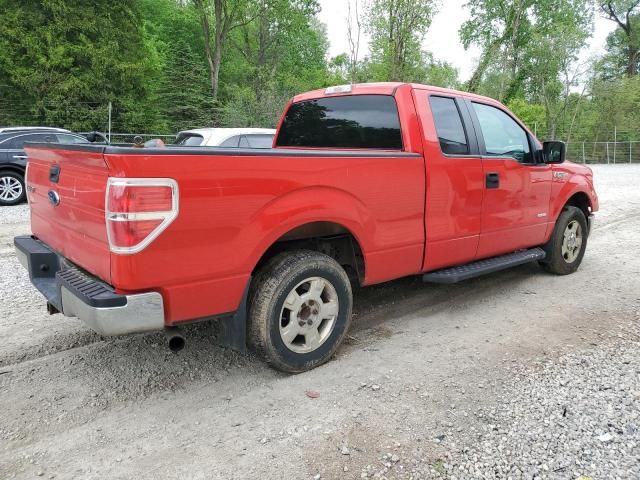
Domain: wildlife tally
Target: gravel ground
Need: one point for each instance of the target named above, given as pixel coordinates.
(572, 417)
(517, 375)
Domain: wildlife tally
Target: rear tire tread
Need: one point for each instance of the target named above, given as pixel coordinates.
(265, 286)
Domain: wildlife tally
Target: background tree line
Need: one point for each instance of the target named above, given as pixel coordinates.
(168, 65)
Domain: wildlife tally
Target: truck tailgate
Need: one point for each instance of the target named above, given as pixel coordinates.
(66, 189)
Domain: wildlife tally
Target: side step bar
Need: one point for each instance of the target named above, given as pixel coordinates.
(481, 267)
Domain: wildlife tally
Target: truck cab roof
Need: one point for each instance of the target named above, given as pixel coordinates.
(382, 88)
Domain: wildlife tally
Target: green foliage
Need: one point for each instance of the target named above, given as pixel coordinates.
(529, 50)
(620, 50)
(279, 54)
(180, 89)
(397, 29)
(61, 62)
(532, 114)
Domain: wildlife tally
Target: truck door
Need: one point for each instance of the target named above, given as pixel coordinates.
(517, 190)
(454, 180)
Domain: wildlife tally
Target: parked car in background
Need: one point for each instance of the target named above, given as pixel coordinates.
(13, 159)
(32, 129)
(227, 137)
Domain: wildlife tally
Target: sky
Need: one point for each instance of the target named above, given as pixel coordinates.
(442, 39)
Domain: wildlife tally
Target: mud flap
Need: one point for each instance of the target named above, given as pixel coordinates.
(232, 329)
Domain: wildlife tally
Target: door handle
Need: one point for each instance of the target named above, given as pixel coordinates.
(493, 180)
(20, 157)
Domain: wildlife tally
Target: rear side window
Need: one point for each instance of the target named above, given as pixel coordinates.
(231, 142)
(71, 139)
(258, 141)
(449, 126)
(18, 142)
(191, 141)
(358, 121)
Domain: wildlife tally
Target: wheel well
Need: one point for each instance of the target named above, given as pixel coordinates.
(581, 201)
(12, 168)
(329, 238)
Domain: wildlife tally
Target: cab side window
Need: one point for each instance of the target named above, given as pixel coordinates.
(503, 137)
(449, 126)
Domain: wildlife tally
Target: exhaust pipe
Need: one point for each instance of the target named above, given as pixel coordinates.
(175, 339)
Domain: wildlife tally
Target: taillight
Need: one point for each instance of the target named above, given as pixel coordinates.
(137, 210)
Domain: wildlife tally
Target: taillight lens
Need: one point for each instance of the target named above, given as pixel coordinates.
(138, 210)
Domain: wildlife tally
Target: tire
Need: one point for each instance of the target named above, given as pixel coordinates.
(564, 255)
(12, 188)
(318, 297)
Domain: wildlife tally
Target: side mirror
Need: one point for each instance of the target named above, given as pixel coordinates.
(554, 152)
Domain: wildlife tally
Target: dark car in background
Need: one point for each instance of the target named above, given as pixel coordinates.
(13, 159)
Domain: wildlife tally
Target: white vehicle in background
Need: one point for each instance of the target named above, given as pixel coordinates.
(227, 137)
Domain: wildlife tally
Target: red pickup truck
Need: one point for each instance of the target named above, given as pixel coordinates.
(365, 184)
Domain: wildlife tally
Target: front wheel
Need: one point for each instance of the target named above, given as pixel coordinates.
(299, 310)
(12, 190)
(568, 242)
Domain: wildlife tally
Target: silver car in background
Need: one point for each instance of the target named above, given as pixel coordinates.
(227, 137)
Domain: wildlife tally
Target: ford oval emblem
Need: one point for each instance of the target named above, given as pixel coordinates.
(54, 198)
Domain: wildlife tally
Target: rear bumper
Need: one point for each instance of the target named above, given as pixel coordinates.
(77, 294)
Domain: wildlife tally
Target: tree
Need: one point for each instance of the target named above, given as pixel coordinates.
(624, 14)
(181, 86)
(397, 29)
(279, 54)
(354, 31)
(227, 15)
(516, 34)
(529, 51)
(615, 63)
(59, 67)
(500, 28)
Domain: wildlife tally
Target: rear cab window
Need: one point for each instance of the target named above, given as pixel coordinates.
(352, 121)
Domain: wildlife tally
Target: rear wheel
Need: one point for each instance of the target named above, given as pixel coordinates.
(12, 190)
(568, 242)
(299, 310)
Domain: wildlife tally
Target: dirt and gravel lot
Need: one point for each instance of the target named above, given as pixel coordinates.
(519, 374)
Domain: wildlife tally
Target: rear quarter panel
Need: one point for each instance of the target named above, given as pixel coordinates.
(232, 208)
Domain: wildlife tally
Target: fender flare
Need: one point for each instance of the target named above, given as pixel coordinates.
(303, 206)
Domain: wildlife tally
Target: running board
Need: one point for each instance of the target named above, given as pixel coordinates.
(482, 267)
